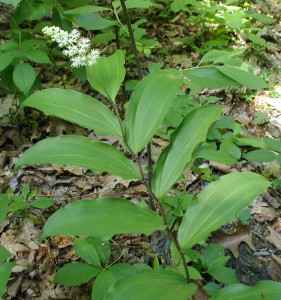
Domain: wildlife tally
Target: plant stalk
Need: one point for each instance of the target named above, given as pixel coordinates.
(148, 184)
(140, 76)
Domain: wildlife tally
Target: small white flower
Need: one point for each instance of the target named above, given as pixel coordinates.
(78, 48)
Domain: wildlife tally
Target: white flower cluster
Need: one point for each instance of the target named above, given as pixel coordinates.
(78, 48)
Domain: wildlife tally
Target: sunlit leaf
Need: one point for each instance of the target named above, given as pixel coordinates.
(80, 151)
(75, 107)
(107, 75)
(218, 203)
(160, 285)
(149, 105)
(263, 290)
(192, 131)
(76, 274)
(102, 218)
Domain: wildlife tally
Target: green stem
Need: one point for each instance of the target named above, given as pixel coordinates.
(140, 75)
(148, 184)
(132, 38)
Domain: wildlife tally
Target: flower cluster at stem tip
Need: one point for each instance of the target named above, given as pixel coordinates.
(78, 48)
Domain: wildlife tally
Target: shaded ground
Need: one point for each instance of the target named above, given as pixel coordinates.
(255, 249)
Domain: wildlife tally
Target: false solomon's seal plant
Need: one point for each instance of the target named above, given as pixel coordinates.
(100, 219)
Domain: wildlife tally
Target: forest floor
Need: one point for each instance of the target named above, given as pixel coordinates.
(254, 248)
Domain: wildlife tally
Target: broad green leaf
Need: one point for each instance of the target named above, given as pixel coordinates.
(90, 21)
(107, 75)
(218, 203)
(42, 203)
(86, 251)
(184, 141)
(244, 78)
(103, 218)
(37, 56)
(273, 144)
(134, 4)
(233, 20)
(210, 77)
(260, 155)
(219, 56)
(102, 283)
(148, 106)
(102, 247)
(4, 254)
(219, 156)
(261, 17)
(85, 9)
(75, 107)
(224, 275)
(256, 39)
(231, 149)
(4, 206)
(24, 76)
(269, 290)
(211, 253)
(81, 151)
(251, 141)
(11, 2)
(6, 58)
(160, 285)
(5, 271)
(76, 274)
(103, 38)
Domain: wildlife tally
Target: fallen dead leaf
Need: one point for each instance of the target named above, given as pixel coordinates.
(274, 238)
(62, 241)
(232, 241)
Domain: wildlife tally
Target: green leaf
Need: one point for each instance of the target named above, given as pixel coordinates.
(4, 254)
(273, 144)
(102, 283)
(219, 156)
(224, 275)
(233, 20)
(102, 247)
(11, 2)
(75, 274)
(75, 107)
(231, 149)
(210, 77)
(160, 285)
(137, 4)
(244, 78)
(81, 151)
(102, 218)
(217, 204)
(85, 9)
(251, 141)
(256, 39)
(37, 56)
(219, 56)
(261, 17)
(260, 155)
(5, 271)
(263, 290)
(211, 253)
(91, 21)
(4, 208)
(184, 141)
(6, 58)
(149, 105)
(87, 251)
(42, 203)
(24, 76)
(107, 75)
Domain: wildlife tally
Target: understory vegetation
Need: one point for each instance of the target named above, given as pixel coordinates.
(140, 150)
